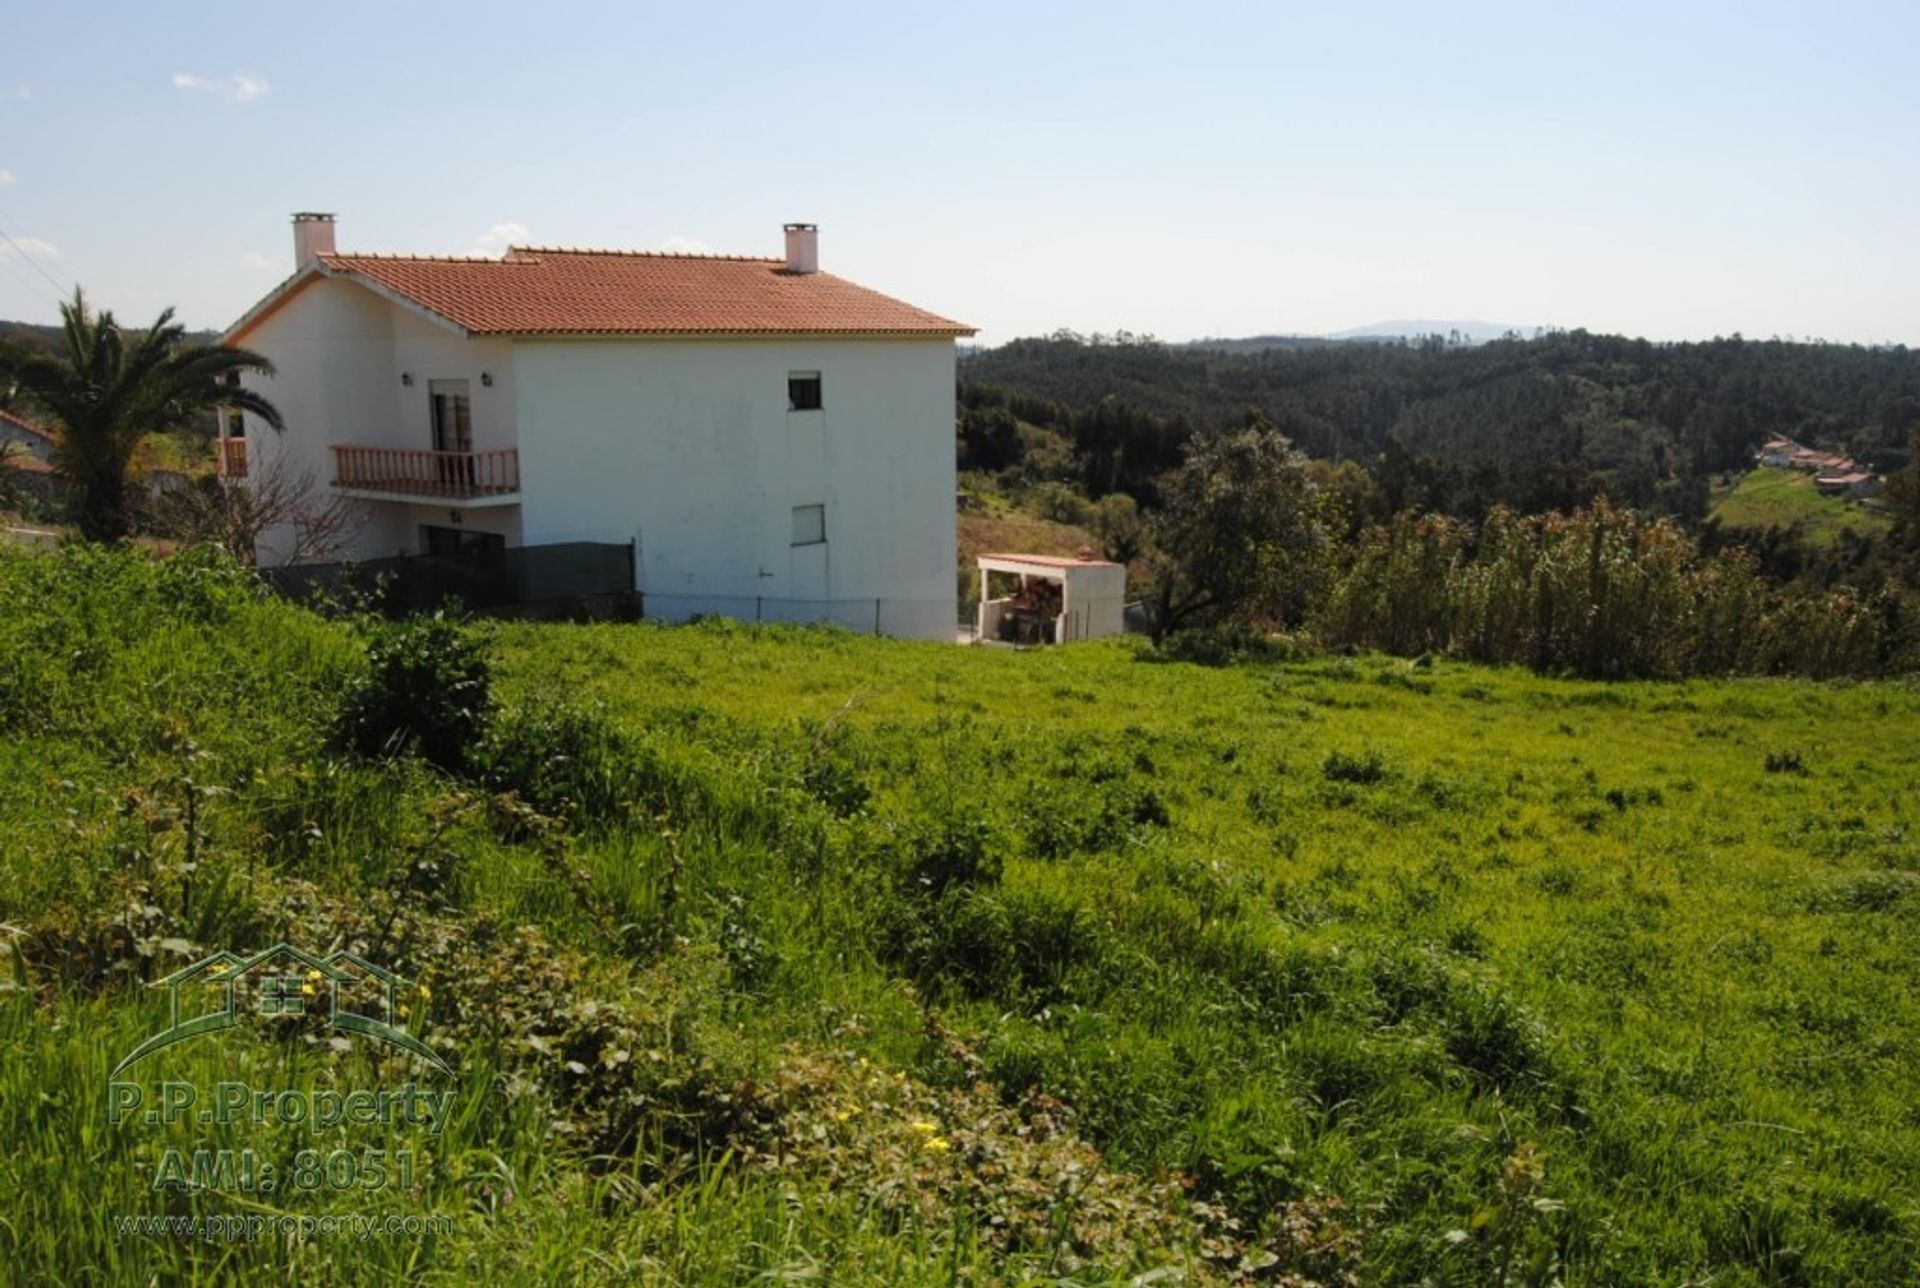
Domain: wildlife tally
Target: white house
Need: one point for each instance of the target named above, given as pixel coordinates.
(774, 441)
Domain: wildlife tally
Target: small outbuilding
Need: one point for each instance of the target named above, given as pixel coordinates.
(1048, 600)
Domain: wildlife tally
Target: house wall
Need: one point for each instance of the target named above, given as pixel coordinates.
(23, 442)
(687, 448)
(1096, 600)
(339, 351)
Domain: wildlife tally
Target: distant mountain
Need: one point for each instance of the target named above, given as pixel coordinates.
(1472, 330)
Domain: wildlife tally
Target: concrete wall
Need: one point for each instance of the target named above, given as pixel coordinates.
(688, 448)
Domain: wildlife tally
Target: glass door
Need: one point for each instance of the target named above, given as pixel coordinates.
(452, 433)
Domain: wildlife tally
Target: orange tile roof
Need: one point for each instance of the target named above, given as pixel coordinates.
(540, 291)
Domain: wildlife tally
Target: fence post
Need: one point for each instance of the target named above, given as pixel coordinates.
(756, 610)
(876, 615)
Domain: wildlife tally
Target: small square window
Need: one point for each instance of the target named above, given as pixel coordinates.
(809, 525)
(803, 391)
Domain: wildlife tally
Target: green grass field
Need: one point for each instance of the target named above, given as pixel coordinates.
(833, 958)
(1773, 498)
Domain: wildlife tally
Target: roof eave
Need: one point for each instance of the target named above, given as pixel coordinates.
(283, 294)
(730, 333)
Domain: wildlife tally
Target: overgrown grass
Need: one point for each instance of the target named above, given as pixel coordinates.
(1346, 969)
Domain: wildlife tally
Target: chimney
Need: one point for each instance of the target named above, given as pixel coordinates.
(312, 238)
(803, 248)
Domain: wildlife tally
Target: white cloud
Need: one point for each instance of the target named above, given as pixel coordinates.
(498, 238)
(235, 89)
(677, 245)
(254, 259)
(23, 93)
(6, 178)
(29, 247)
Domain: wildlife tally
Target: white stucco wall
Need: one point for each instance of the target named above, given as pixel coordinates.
(339, 351)
(683, 446)
(687, 447)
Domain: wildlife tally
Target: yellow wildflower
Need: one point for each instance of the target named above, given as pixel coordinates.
(936, 1145)
(307, 989)
(425, 991)
(923, 1127)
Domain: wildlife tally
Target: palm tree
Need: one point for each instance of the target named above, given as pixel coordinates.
(112, 388)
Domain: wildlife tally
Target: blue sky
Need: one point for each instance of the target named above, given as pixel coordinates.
(1669, 170)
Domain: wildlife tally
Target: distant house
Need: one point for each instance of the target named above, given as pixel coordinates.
(770, 440)
(1778, 452)
(1853, 482)
(25, 445)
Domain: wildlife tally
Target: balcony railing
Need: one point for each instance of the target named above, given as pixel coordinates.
(406, 472)
(230, 458)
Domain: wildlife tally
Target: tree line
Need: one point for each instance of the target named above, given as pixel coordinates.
(1537, 424)
(1248, 535)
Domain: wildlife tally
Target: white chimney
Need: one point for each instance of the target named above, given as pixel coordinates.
(312, 238)
(803, 248)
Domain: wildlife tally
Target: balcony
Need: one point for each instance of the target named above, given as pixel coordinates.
(230, 458)
(467, 479)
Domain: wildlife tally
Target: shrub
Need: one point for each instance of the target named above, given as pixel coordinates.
(935, 856)
(1785, 762)
(1364, 769)
(427, 689)
(562, 760)
(1225, 646)
(1076, 818)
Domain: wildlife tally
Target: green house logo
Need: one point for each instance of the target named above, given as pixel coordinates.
(353, 994)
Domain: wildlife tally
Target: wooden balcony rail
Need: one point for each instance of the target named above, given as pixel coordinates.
(461, 475)
(230, 458)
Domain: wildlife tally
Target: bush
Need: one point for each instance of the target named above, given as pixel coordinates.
(934, 857)
(428, 689)
(560, 759)
(1226, 646)
(1342, 768)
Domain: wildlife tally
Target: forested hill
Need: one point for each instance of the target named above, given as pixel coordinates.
(1537, 422)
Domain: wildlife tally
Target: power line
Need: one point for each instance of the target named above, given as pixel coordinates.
(21, 251)
(33, 286)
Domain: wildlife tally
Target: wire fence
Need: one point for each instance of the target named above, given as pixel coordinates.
(921, 618)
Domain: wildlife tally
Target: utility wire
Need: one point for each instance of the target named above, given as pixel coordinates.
(38, 290)
(21, 251)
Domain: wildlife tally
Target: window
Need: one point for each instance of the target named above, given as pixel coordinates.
(803, 391)
(236, 425)
(809, 525)
(452, 416)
